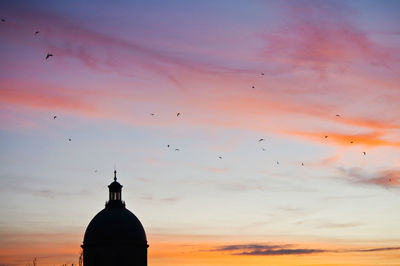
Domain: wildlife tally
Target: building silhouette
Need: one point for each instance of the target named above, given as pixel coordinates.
(115, 236)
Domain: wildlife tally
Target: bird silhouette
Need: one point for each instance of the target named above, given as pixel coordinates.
(302, 164)
(178, 114)
(69, 139)
(177, 150)
(48, 56)
(220, 157)
(151, 114)
(263, 149)
(262, 74)
(3, 20)
(364, 153)
(37, 32)
(277, 162)
(351, 142)
(260, 140)
(338, 115)
(168, 146)
(54, 117)
(326, 137)
(252, 87)
(95, 171)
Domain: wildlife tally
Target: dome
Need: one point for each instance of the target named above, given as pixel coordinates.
(115, 236)
(115, 186)
(115, 225)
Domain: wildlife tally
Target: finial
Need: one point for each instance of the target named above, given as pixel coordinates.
(115, 175)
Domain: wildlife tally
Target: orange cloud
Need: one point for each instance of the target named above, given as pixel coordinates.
(373, 139)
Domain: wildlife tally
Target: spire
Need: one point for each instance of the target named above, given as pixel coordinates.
(115, 193)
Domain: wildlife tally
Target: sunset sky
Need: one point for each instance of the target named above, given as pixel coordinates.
(288, 72)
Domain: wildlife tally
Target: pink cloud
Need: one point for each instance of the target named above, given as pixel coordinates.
(104, 52)
(386, 178)
(320, 36)
(48, 98)
(256, 113)
(217, 95)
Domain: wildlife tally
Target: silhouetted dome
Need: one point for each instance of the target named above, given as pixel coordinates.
(114, 186)
(115, 225)
(115, 236)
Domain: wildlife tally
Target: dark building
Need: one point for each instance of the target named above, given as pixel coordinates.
(115, 237)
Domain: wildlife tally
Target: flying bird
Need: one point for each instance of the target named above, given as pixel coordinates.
(168, 146)
(220, 157)
(302, 164)
(260, 140)
(37, 32)
(54, 117)
(252, 87)
(262, 74)
(48, 56)
(263, 149)
(151, 114)
(277, 162)
(364, 153)
(338, 115)
(178, 114)
(351, 142)
(69, 139)
(326, 137)
(177, 150)
(3, 20)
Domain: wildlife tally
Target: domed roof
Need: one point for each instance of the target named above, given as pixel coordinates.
(115, 186)
(115, 225)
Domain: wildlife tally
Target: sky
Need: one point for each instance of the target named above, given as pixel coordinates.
(286, 150)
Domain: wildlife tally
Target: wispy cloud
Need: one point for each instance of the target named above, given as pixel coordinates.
(10, 94)
(287, 249)
(105, 52)
(339, 225)
(373, 139)
(160, 200)
(242, 186)
(386, 178)
(29, 185)
(310, 40)
(320, 36)
(217, 170)
(267, 250)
